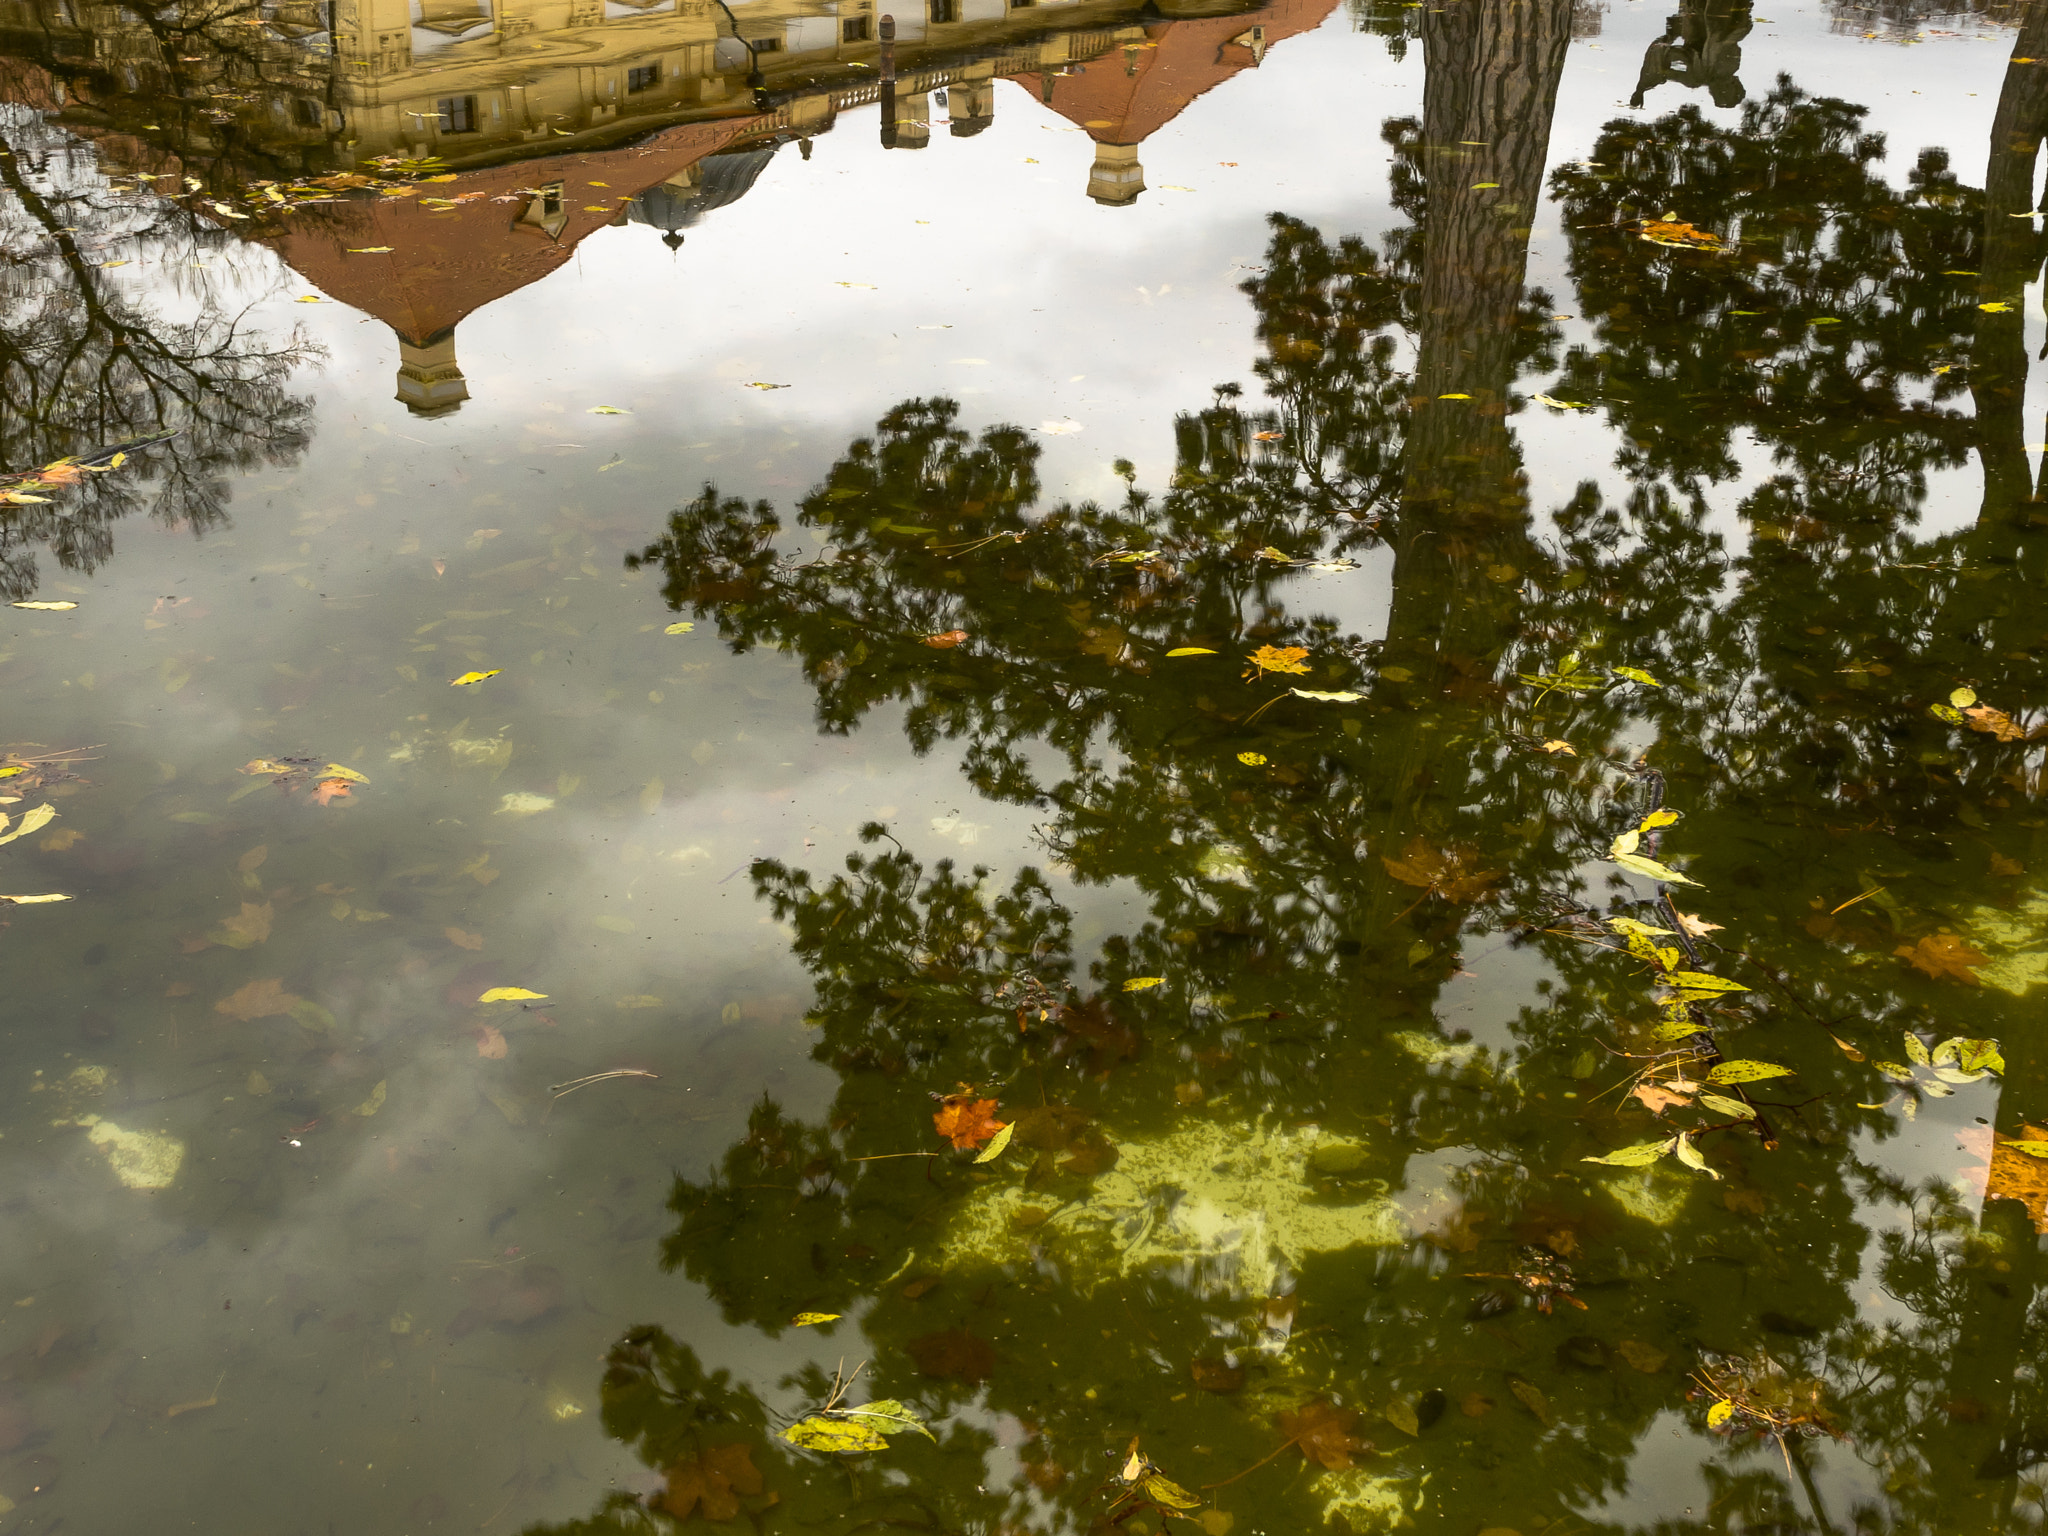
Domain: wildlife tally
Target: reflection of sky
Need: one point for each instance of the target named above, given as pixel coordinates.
(346, 1259)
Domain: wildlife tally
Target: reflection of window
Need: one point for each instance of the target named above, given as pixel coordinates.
(943, 11)
(309, 111)
(551, 199)
(458, 114)
(854, 29)
(645, 78)
(767, 45)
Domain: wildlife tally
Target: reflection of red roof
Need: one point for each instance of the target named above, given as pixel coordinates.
(447, 263)
(1123, 100)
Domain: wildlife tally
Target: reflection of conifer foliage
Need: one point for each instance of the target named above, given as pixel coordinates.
(88, 361)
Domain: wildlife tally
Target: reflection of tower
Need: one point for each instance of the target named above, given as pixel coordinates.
(971, 105)
(1701, 46)
(674, 205)
(430, 381)
(1116, 178)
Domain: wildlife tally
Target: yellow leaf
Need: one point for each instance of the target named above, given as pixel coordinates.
(1559, 749)
(469, 679)
(1454, 397)
(1191, 650)
(818, 1433)
(31, 821)
(996, 1144)
(373, 1103)
(509, 995)
(682, 628)
(1140, 983)
(1996, 307)
(369, 250)
(812, 1319)
(31, 901)
(1252, 759)
(42, 607)
(336, 771)
(608, 410)
(1720, 1414)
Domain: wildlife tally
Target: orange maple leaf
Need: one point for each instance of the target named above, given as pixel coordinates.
(946, 641)
(490, 1042)
(967, 1121)
(714, 1479)
(1277, 658)
(1324, 1434)
(1449, 871)
(1658, 1099)
(1995, 723)
(258, 1000)
(1943, 954)
(329, 789)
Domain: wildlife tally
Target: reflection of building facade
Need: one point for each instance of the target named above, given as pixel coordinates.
(557, 118)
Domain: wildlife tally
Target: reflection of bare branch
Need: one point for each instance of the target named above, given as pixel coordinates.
(86, 362)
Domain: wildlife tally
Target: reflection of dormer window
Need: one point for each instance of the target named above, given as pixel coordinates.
(854, 29)
(767, 45)
(457, 114)
(551, 200)
(943, 11)
(543, 211)
(645, 78)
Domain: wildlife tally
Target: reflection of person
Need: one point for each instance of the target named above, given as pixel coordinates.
(1701, 46)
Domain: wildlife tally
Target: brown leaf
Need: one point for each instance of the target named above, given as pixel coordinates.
(251, 861)
(1450, 871)
(1943, 954)
(330, 789)
(955, 1354)
(1994, 722)
(1456, 1231)
(463, 940)
(258, 1000)
(1531, 1397)
(1642, 1356)
(967, 1121)
(60, 840)
(490, 1042)
(1698, 927)
(1324, 1434)
(714, 1480)
(1475, 1405)
(2001, 865)
(251, 926)
(1217, 1375)
(1657, 1099)
(946, 641)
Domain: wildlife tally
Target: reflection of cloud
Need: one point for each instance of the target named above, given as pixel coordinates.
(952, 827)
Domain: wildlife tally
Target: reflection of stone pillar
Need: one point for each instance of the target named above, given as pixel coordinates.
(908, 125)
(1116, 178)
(429, 380)
(971, 104)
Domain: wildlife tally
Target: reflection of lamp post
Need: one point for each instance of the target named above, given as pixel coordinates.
(888, 103)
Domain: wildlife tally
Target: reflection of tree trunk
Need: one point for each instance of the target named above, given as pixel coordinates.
(2011, 258)
(1461, 535)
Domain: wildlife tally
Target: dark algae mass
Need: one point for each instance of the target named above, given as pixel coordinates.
(1023, 769)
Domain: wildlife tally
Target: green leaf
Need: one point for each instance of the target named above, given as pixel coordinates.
(997, 1143)
(1703, 981)
(1746, 1072)
(1916, 1050)
(1630, 928)
(1344, 696)
(1626, 844)
(1677, 1029)
(1945, 712)
(837, 1436)
(1643, 1153)
(1163, 1490)
(1635, 863)
(2030, 1148)
(1973, 1055)
(1721, 1106)
(1689, 1155)
(889, 1416)
(1637, 675)
(1894, 1071)
(31, 821)
(1963, 698)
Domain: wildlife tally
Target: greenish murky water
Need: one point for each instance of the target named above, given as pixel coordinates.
(1211, 769)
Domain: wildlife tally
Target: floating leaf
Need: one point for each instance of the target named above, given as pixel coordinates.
(1721, 1106)
(1637, 675)
(965, 1120)
(1701, 981)
(1253, 759)
(812, 1319)
(34, 901)
(890, 1417)
(509, 995)
(1641, 1155)
(1720, 1414)
(1191, 650)
(1635, 863)
(1340, 697)
(764, 384)
(469, 679)
(997, 1144)
(946, 641)
(835, 1436)
(1141, 983)
(609, 410)
(682, 627)
(1161, 1489)
(31, 821)
(1559, 405)
(2029, 1148)
(1916, 1050)
(1745, 1072)
(43, 607)
(1689, 1155)
(1559, 749)
(1972, 1055)
(1656, 819)
(1278, 658)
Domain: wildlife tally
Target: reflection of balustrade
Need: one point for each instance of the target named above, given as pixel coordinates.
(453, 18)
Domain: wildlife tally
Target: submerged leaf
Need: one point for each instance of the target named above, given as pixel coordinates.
(714, 1480)
(1641, 1155)
(965, 1120)
(1944, 954)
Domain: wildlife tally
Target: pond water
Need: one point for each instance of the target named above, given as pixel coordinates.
(1023, 768)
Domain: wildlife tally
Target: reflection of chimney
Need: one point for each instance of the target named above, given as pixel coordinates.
(429, 380)
(1116, 178)
(972, 107)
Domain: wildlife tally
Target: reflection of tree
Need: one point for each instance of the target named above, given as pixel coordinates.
(85, 362)
(1309, 908)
